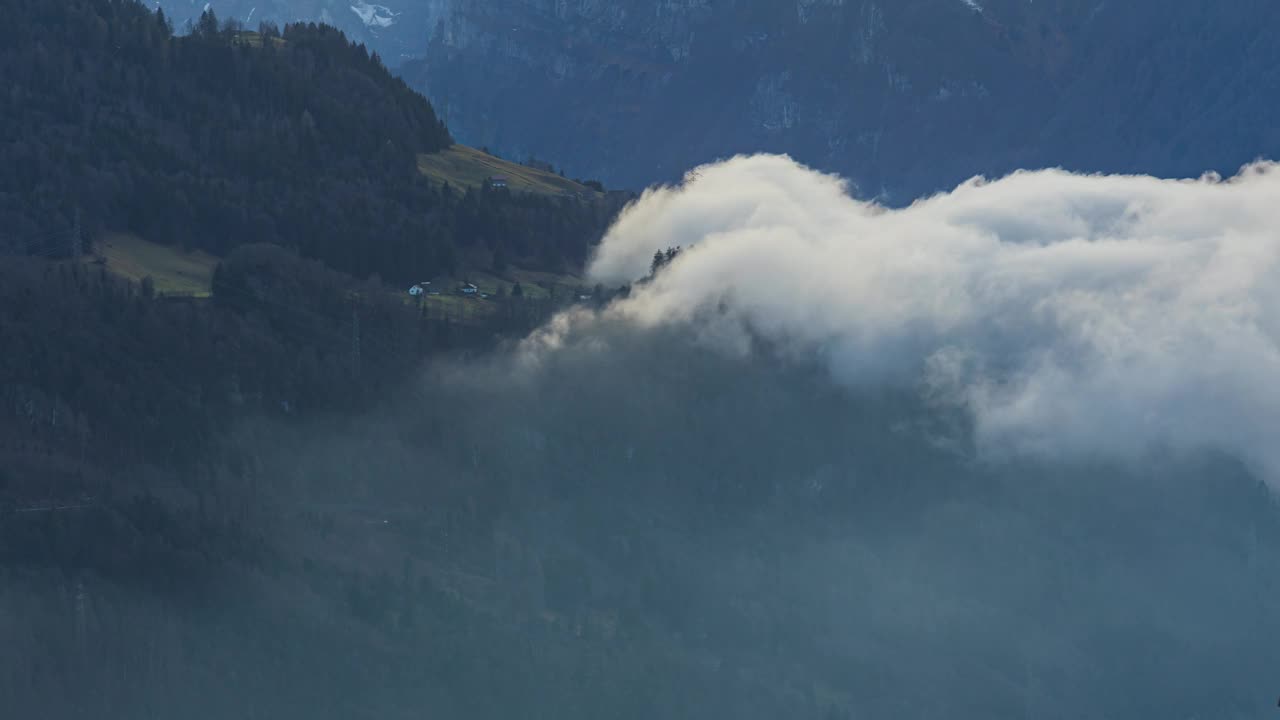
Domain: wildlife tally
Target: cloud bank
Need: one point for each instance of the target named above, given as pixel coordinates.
(1094, 315)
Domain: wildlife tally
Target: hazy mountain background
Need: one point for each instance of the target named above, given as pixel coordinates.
(903, 97)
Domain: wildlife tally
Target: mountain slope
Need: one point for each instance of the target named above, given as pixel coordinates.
(905, 97)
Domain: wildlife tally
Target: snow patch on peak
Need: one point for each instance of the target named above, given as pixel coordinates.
(374, 15)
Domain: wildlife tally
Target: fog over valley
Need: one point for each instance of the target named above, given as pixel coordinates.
(1067, 314)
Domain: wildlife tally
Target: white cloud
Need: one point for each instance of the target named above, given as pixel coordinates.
(1068, 313)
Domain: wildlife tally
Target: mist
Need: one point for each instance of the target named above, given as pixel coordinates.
(850, 546)
(1002, 453)
(999, 454)
(1066, 314)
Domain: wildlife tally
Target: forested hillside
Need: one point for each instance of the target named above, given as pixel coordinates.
(293, 158)
(223, 137)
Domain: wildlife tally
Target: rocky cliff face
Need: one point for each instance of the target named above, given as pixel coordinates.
(906, 96)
